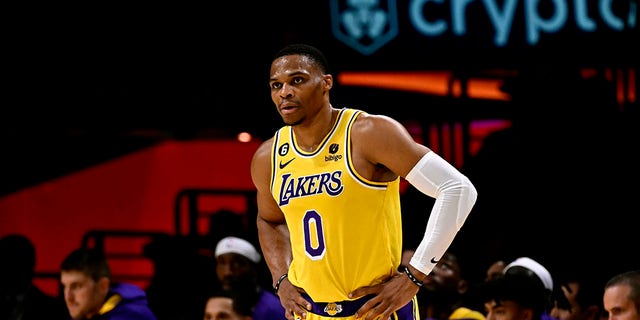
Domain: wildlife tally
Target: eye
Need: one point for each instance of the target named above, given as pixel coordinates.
(276, 85)
(297, 80)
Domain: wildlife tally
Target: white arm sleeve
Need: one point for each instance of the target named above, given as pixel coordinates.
(455, 196)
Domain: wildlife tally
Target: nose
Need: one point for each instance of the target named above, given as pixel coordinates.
(225, 270)
(68, 296)
(286, 91)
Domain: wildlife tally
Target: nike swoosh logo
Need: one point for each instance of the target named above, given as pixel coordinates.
(434, 261)
(282, 165)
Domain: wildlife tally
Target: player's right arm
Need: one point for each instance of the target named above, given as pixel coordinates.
(273, 232)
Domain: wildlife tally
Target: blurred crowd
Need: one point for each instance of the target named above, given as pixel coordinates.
(237, 285)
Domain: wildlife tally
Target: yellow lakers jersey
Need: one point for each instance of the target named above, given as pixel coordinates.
(345, 230)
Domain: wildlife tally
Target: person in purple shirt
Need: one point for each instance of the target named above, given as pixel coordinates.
(237, 263)
(89, 292)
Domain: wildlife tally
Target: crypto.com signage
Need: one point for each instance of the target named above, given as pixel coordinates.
(423, 26)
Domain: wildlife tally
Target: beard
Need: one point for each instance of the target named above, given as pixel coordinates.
(292, 122)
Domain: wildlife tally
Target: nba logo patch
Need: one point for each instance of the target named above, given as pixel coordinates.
(333, 308)
(364, 25)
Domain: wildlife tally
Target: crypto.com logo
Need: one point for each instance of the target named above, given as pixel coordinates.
(365, 25)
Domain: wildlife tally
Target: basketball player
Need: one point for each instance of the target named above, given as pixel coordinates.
(327, 185)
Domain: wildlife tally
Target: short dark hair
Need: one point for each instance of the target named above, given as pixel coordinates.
(306, 50)
(243, 299)
(631, 279)
(91, 262)
(519, 288)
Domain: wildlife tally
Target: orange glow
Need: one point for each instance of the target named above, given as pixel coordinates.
(244, 137)
(632, 86)
(439, 83)
(624, 80)
(487, 89)
(456, 88)
(427, 82)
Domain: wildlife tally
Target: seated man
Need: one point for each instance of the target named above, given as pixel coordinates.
(522, 292)
(579, 296)
(90, 294)
(237, 268)
(445, 291)
(622, 296)
(227, 305)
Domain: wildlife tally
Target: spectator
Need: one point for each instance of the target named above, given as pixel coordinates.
(528, 267)
(90, 293)
(237, 267)
(578, 297)
(227, 305)
(622, 296)
(20, 298)
(522, 292)
(446, 291)
(495, 270)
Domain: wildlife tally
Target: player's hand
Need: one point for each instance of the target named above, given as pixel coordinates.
(294, 304)
(388, 297)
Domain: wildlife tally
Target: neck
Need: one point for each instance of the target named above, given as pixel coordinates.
(309, 136)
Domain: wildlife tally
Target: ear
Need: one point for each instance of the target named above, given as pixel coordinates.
(592, 312)
(463, 286)
(103, 285)
(527, 314)
(328, 81)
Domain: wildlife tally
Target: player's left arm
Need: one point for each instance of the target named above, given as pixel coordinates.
(390, 145)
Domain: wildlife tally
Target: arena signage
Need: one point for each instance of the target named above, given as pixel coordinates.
(369, 25)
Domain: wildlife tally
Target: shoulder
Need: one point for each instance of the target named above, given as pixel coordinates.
(132, 312)
(264, 151)
(380, 130)
(466, 313)
(372, 123)
(133, 305)
(383, 141)
(128, 290)
(261, 165)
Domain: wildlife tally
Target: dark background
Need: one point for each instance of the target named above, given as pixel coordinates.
(86, 83)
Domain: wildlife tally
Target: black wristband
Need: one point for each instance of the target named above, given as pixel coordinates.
(277, 286)
(412, 277)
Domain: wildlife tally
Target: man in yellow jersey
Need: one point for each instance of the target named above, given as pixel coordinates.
(329, 219)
